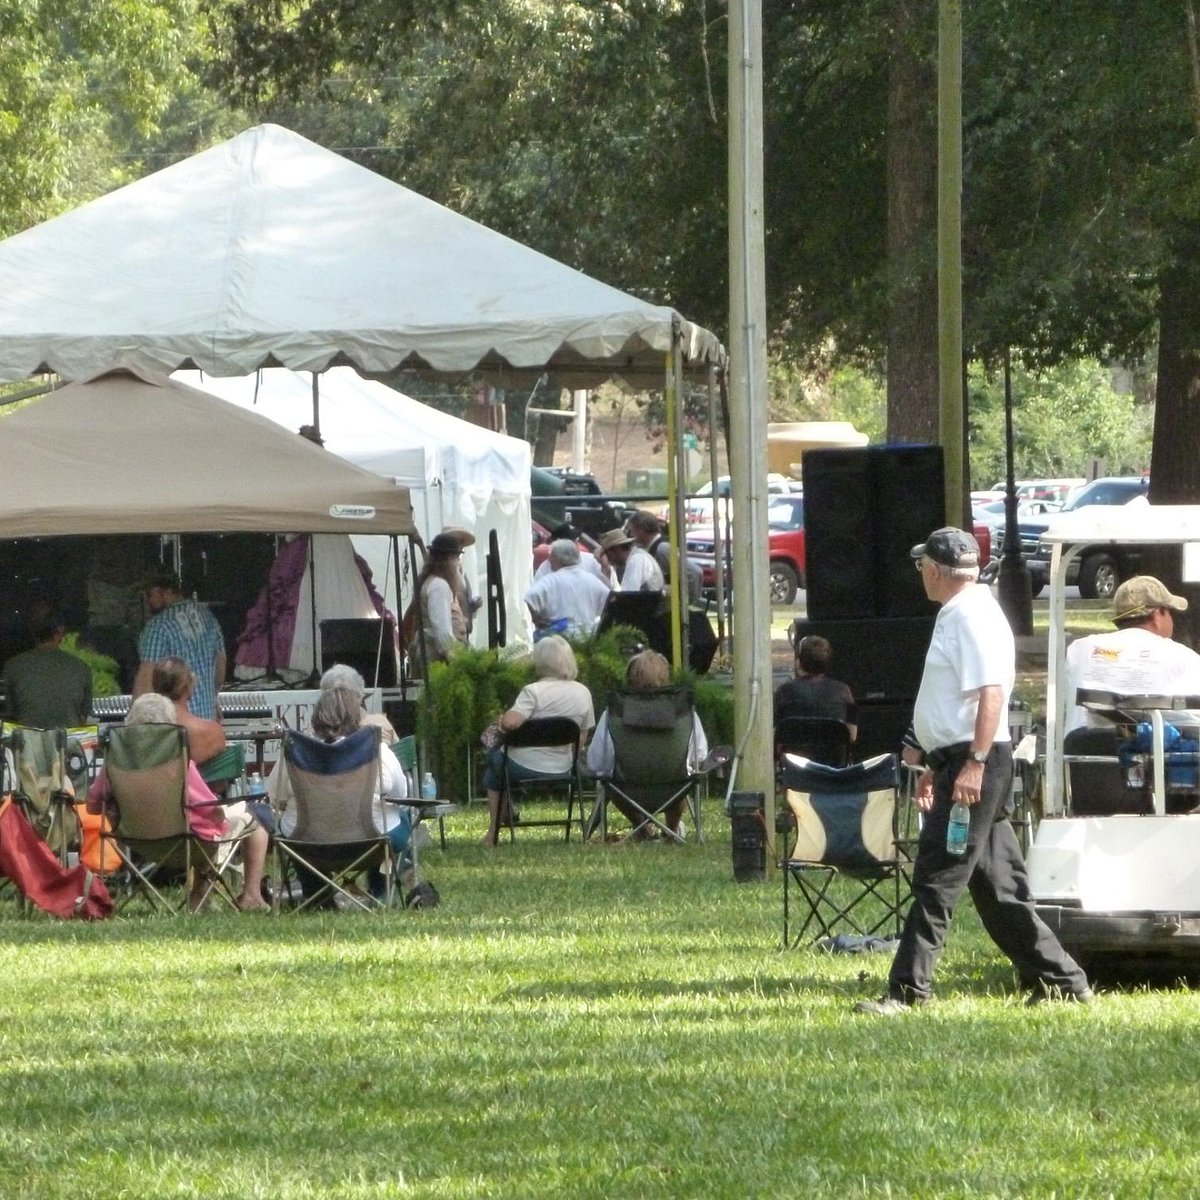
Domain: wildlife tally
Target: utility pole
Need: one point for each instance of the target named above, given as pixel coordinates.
(752, 678)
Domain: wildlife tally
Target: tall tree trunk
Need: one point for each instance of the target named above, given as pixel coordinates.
(1174, 477)
(912, 353)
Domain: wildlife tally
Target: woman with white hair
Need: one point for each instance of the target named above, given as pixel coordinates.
(208, 819)
(556, 692)
(341, 675)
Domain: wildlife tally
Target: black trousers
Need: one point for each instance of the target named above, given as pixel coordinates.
(994, 873)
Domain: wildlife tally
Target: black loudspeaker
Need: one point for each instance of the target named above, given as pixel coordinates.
(881, 727)
(355, 642)
(864, 510)
(880, 659)
(839, 578)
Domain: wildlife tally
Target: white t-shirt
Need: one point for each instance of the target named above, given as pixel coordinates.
(1130, 662)
(571, 594)
(552, 698)
(642, 573)
(972, 647)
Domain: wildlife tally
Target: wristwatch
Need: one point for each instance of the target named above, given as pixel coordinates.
(979, 756)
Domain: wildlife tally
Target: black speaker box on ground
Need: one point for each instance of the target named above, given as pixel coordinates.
(864, 509)
(748, 836)
(880, 658)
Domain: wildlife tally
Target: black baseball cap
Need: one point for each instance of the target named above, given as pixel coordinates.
(949, 547)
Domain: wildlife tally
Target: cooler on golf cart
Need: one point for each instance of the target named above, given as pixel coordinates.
(1115, 863)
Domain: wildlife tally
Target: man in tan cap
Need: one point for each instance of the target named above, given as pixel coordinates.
(635, 568)
(1139, 658)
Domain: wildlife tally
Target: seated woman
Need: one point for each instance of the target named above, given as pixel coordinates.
(555, 693)
(174, 679)
(208, 820)
(337, 713)
(645, 672)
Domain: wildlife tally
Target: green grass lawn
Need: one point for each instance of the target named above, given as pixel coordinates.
(573, 1021)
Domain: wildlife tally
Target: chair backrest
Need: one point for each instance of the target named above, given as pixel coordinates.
(405, 751)
(39, 756)
(819, 739)
(651, 731)
(547, 732)
(1098, 789)
(227, 766)
(147, 768)
(334, 785)
(845, 816)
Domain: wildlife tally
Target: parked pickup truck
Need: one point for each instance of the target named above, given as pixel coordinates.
(1100, 569)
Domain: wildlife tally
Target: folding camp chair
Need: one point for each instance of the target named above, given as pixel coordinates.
(334, 839)
(651, 734)
(539, 732)
(846, 828)
(40, 761)
(820, 739)
(147, 769)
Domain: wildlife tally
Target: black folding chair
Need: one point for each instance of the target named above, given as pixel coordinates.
(846, 829)
(820, 739)
(546, 733)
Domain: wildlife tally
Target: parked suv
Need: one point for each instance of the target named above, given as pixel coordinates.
(1098, 570)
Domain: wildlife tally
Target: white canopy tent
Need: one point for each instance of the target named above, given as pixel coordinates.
(270, 250)
(456, 473)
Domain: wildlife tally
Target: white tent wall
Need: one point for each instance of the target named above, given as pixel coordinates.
(457, 473)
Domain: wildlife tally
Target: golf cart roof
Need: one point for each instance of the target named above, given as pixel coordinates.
(1133, 522)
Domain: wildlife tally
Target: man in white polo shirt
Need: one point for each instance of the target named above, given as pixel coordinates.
(960, 722)
(1138, 657)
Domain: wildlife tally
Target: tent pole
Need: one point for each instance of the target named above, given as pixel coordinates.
(718, 547)
(312, 600)
(316, 397)
(679, 595)
(673, 484)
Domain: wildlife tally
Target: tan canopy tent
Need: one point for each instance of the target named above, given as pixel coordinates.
(136, 453)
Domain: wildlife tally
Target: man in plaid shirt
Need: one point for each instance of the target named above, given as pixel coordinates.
(183, 629)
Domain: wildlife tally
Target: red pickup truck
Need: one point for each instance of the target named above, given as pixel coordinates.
(785, 544)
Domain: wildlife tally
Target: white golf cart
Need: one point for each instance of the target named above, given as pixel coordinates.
(1121, 890)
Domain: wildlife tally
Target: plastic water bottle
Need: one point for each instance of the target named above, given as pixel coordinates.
(428, 786)
(957, 829)
(256, 789)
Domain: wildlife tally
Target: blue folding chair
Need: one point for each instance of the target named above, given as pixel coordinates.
(846, 827)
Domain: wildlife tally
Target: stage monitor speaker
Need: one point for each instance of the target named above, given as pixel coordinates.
(880, 658)
(864, 510)
(355, 642)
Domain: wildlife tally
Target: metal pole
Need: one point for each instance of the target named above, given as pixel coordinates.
(718, 540)
(674, 465)
(753, 767)
(949, 237)
(678, 546)
(1013, 589)
(579, 432)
